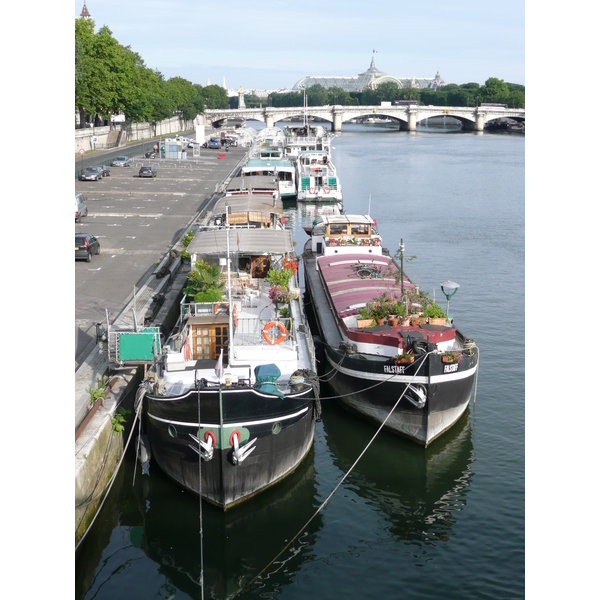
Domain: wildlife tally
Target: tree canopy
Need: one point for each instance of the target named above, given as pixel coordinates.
(113, 79)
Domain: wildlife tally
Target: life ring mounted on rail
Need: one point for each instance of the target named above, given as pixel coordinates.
(312, 190)
(326, 189)
(282, 330)
(235, 319)
(218, 305)
(186, 349)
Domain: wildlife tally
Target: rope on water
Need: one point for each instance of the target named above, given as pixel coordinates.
(337, 486)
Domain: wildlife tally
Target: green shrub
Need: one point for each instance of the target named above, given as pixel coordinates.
(209, 295)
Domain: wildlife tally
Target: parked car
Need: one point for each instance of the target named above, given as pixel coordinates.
(105, 170)
(86, 245)
(147, 172)
(121, 161)
(229, 141)
(90, 174)
(214, 143)
(81, 209)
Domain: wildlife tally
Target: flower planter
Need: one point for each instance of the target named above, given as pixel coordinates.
(393, 321)
(437, 321)
(449, 358)
(362, 323)
(405, 361)
(405, 322)
(380, 321)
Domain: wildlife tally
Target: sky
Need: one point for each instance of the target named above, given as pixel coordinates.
(271, 45)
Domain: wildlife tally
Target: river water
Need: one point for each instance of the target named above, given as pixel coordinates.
(443, 522)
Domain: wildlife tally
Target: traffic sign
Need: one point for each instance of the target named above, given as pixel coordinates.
(156, 146)
(81, 151)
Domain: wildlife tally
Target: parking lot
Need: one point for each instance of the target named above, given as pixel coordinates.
(137, 221)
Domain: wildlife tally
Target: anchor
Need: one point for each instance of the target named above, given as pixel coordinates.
(204, 449)
(240, 454)
(420, 393)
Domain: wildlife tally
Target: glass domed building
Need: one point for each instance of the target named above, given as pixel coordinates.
(370, 78)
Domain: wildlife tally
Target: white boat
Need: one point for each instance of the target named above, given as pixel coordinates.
(317, 177)
(306, 137)
(267, 161)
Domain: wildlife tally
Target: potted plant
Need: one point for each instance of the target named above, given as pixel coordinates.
(284, 313)
(279, 277)
(451, 357)
(404, 358)
(364, 318)
(280, 295)
(435, 314)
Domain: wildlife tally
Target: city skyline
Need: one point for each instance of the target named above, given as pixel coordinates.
(273, 46)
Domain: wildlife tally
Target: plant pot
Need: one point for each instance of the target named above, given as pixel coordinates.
(393, 321)
(405, 322)
(380, 321)
(405, 361)
(437, 321)
(422, 320)
(449, 358)
(362, 323)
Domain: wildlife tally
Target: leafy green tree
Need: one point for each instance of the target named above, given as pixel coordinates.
(316, 95)
(494, 90)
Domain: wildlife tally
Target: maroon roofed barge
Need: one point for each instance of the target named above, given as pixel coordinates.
(426, 363)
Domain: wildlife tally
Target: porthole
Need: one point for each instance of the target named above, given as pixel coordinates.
(172, 431)
(276, 428)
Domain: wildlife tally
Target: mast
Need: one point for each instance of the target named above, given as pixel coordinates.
(230, 336)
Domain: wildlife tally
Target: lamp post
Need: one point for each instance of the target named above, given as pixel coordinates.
(401, 269)
(449, 288)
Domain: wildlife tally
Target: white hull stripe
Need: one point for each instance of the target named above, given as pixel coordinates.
(370, 376)
(241, 424)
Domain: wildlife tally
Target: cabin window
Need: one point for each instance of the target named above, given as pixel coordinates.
(337, 229)
(359, 229)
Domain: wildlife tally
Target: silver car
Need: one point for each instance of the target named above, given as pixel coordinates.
(90, 174)
(121, 161)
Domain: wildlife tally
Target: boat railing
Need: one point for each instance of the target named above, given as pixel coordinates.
(258, 331)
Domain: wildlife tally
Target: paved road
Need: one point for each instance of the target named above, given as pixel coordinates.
(137, 221)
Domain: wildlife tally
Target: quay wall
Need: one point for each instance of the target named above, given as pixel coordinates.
(112, 137)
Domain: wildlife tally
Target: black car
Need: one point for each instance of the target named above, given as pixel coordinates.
(147, 172)
(105, 170)
(86, 245)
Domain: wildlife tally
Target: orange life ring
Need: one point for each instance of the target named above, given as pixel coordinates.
(217, 305)
(235, 321)
(312, 190)
(326, 189)
(270, 326)
(186, 349)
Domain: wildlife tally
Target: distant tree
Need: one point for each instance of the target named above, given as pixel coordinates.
(494, 90)
(215, 97)
(316, 95)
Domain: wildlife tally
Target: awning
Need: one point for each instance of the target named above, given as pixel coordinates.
(251, 241)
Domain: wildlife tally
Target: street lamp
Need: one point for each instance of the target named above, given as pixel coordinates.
(449, 288)
(401, 269)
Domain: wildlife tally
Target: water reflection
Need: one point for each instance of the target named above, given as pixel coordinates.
(420, 490)
(160, 522)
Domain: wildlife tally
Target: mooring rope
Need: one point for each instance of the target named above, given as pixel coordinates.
(108, 486)
(337, 486)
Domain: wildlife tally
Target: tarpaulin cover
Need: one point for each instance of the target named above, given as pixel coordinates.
(267, 373)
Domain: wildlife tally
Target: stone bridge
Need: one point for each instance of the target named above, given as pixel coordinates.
(472, 118)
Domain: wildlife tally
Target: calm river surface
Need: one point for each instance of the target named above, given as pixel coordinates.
(442, 522)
